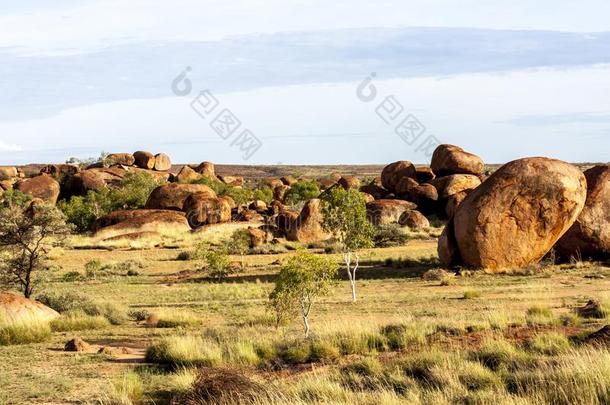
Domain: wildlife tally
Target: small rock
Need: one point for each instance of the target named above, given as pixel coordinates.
(77, 345)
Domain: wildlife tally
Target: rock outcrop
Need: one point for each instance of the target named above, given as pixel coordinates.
(517, 215)
(451, 159)
(589, 237)
(172, 196)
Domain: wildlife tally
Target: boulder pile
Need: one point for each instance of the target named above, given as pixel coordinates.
(516, 216)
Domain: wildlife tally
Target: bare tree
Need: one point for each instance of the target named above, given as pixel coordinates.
(26, 236)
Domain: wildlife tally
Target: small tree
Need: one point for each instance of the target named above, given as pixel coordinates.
(302, 191)
(302, 279)
(239, 244)
(217, 262)
(345, 218)
(26, 237)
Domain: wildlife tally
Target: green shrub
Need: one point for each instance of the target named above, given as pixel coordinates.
(471, 294)
(218, 263)
(302, 191)
(321, 351)
(72, 276)
(132, 193)
(82, 212)
(14, 198)
(93, 268)
(66, 302)
(263, 193)
(138, 315)
(184, 256)
(298, 353)
(73, 302)
(390, 235)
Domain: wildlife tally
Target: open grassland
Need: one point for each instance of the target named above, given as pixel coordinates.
(474, 338)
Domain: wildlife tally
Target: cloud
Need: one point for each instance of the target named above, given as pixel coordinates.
(9, 147)
(42, 85)
(560, 119)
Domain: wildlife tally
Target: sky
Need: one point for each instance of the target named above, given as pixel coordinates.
(304, 81)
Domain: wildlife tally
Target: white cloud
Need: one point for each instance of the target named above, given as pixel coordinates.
(9, 147)
(326, 123)
(106, 22)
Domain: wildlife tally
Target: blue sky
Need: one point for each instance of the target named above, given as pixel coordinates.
(503, 79)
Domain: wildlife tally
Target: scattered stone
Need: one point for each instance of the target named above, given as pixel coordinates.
(152, 320)
(234, 181)
(600, 338)
(451, 159)
(206, 169)
(288, 180)
(15, 308)
(414, 220)
(258, 205)
(308, 226)
(43, 186)
(137, 221)
(77, 345)
(125, 159)
(273, 183)
(592, 310)
(187, 175)
(435, 275)
(172, 196)
(424, 174)
(61, 171)
(144, 160)
(392, 173)
(202, 210)
(162, 162)
(279, 193)
(258, 237)
(383, 212)
(349, 182)
(455, 183)
(8, 172)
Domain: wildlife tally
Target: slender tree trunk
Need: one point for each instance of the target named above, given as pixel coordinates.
(351, 274)
(306, 326)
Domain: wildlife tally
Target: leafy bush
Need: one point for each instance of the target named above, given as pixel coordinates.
(132, 193)
(218, 265)
(241, 195)
(263, 193)
(302, 191)
(138, 315)
(72, 302)
(471, 294)
(14, 198)
(390, 235)
(82, 212)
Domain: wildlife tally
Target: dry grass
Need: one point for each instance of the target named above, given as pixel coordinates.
(492, 349)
